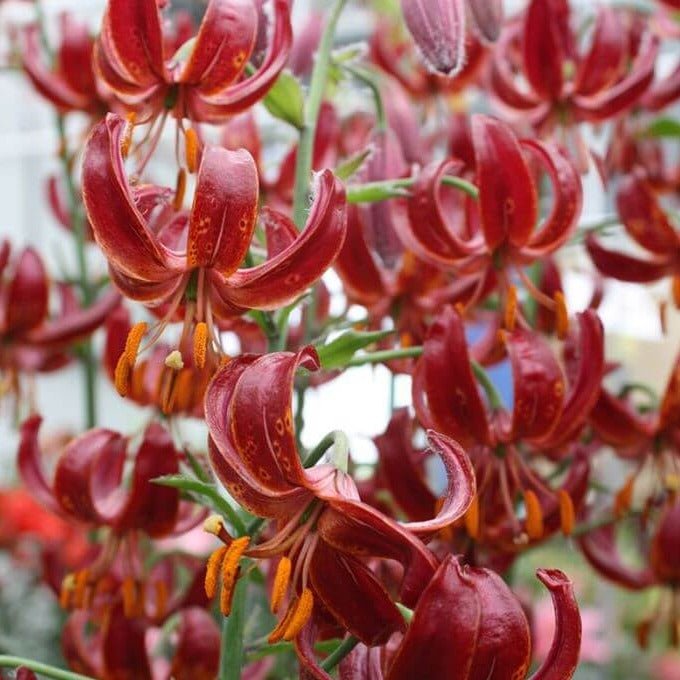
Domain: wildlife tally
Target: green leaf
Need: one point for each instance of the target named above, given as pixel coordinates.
(664, 127)
(349, 167)
(340, 351)
(286, 101)
(209, 491)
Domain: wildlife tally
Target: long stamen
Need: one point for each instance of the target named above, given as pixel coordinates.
(230, 572)
(281, 583)
(277, 634)
(212, 570)
(534, 518)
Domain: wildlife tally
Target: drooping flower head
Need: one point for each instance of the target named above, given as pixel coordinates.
(323, 533)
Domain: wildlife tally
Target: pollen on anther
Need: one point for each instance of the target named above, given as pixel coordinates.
(212, 570)
(129, 593)
(561, 315)
(180, 188)
(534, 518)
(213, 525)
(174, 360)
(67, 587)
(624, 497)
(281, 582)
(567, 514)
(191, 150)
(133, 341)
(200, 344)
(510, 308)
(301, 615)
(230, 571)
(471, 518)
(121, 376)
(126, 142)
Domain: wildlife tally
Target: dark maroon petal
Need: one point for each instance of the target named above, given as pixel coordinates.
(600, 549)
(619, 425)
(30, 466)
(27, 294)
(353, 595)
(508, 202)
(124, 648)
(224, 211)
(438, 29)
(562, 660)
(362, 663)
(454, 404)
(75, 55)
(627, 267)
(357, 529)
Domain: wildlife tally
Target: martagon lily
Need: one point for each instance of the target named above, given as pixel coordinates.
(547, 414)
(184, 264)
(484, 634)
(322, 532)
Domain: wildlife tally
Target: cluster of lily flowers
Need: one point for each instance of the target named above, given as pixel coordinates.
(444, 197)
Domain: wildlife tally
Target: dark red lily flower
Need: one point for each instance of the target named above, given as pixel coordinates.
(651, 228)
(204, 80)
(548, 414)
(323, 530)
(88, 488)
(185, 264)
(33, 339)
(485, 633)
(70, 84)
(498, 235)
(567, 85)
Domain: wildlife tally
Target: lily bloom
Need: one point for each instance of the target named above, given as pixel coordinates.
(498, 235)
(548, 413)
(32, 339)
(184, 264)
(323, 532)
(203, 80)
(485, 633)
(539, 73)
(651, 228)
(88, 488)
(70, 84)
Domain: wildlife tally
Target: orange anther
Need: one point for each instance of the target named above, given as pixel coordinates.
(302, 612)
(534, 518)
(211, 571)
(230, 572)
(191, 149)
(121, 376)
(471, 518)
(161, 589)
(129, 593)
(567, 514)
(126, 141)
(561, 315)
(200, 343)
(180, 188)
(133, 341)
(624, 497)
(281, 582)
(510, 312)
(67, 586)
(81, 581)
(277, 634)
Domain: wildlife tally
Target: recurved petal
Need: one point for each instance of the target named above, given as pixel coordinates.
(543, 46)
(619, 425)
(75, 54)
(600, 549)
(362, 663)
(561, 662)
(567, 197)
(123, 646)
(286, 276)
(508, 202)
(626, 267)
(438, 29)
(460, 488)
(240, 96)
(26, 296)
(143, 505)
(354, 528)
(453, 401)
(643, 216)
(224, 211)
(539, 385)
(354, 596)
(223, 45)
(119, 227)
(30, 466)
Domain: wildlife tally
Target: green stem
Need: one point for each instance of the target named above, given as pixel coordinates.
(87, 358)
(385, 355)
(340, 652)
(42, 668)
(317, 452)
(489, 388)
(372, 192)
(317, 87)
(368, 79)
(231, 646)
